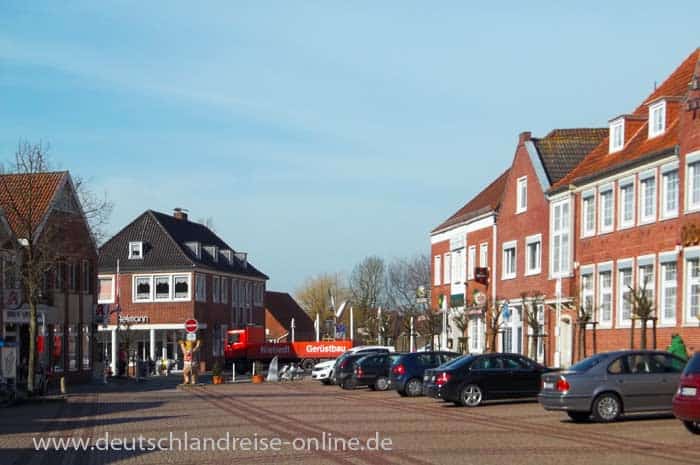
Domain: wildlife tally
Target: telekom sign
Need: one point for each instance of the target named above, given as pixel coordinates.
(191, 325)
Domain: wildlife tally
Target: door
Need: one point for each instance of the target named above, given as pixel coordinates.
(489, 373)
(525, 377)
(669, 369)
(565, 342)
(638, 384)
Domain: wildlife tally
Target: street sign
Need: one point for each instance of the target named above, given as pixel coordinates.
(191, 325)
(191, 336)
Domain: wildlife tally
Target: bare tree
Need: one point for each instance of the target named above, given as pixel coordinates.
(494, 323)
(643, 309)
(404, 277)
(96, 207)
(40, 240)
(367, 288)
(461, 321)
(531, 301)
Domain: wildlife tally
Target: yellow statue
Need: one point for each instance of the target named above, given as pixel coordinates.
(189, 370)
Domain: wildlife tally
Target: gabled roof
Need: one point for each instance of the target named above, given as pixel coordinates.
(562, 149)
(165, 238)
(485, 201)
(283, 307)
(638, 146)
(28, 197)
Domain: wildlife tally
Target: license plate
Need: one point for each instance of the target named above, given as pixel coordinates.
(689, 391)
(548, 385)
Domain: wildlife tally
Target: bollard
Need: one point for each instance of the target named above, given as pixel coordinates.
(233, 373)
(64, 389)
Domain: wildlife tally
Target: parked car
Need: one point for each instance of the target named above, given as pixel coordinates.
(686, 402)
(374, 370)
(472, 379)
(345, 367)
(407, 372)
(609, 384)
(323, 371)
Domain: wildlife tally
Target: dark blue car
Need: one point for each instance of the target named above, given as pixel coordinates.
(407, 371)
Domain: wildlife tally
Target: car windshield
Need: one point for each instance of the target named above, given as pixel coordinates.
(693, 366)
(587, 363)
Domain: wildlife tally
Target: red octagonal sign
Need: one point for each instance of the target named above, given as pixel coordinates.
(191, 325)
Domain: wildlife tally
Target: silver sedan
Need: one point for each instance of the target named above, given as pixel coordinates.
(610, 384)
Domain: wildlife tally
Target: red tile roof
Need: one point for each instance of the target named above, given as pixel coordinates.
(638, 145)
(487, 200)
(28, 197)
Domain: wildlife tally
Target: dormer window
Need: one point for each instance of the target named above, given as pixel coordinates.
(657, 119)
(196, 248)
(228, 254)
(135, 250)
(617, 135)
(213, 252)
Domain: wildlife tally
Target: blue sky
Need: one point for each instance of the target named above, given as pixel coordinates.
(316, 133)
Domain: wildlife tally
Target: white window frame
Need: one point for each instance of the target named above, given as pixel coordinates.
(99, 286)
(665, 182)
(588, 293)
(664, 286)
(657, 119)
(447, 268)
(216, 289)
(134, 292)
(617, 135)
(604, 292)
(560, 232)
(535, 240)
(437, 270)
(622, 290)
(692, 166)
(602, 193)
(643, 187)
(170, 287)
(175, 276)
(484, 255)
(521, 195)
(622, 187)
(133, 246)
(688, 318)
(507, 246)
(588, 204)
(457, 260)
(471, 261)
(643, 263)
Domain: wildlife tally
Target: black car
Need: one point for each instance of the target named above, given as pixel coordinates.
(407, 372)
(373, 371)
(472, 379)
(345, 367)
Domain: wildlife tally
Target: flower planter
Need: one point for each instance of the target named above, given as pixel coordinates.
(257, 379)
(217, 380)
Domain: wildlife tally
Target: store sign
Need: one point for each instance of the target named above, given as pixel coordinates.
(481, 275)
(21, 316)
(690, 235)
(134, 319)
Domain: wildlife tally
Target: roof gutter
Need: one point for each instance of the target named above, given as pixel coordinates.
(616, 169)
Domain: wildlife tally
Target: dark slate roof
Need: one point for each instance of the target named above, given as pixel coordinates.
(164, 238)
(283, 307)
(563, 149)
(485, 201)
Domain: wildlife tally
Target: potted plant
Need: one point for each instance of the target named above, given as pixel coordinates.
(216, 376)
(257, 377)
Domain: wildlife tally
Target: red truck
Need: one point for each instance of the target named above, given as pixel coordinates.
(244, 346)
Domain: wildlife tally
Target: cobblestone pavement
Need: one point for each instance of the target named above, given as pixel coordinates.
(422, 431)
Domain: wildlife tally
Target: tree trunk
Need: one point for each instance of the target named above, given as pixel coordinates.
(643, 336)
(31, 362)
(632, 334)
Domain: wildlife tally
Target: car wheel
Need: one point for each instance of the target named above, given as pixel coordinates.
(471, 396)
(692, 426)
(348, 383)
(326, 381)
(414, 387)
(607, 407)
(381, 384)
(578, 417)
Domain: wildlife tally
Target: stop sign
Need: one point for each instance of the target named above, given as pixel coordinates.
(191, 325)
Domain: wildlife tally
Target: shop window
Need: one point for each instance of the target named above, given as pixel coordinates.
(72, 342)
(85, 347)
(57, 348)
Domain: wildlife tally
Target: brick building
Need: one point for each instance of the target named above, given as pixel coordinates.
(171, 269)
(46, 206)
(458, 246)
(280, 309)
(634, 205)
(524, 281)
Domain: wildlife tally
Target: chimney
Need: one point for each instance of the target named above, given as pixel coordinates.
(524, 136)
(180, 214)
